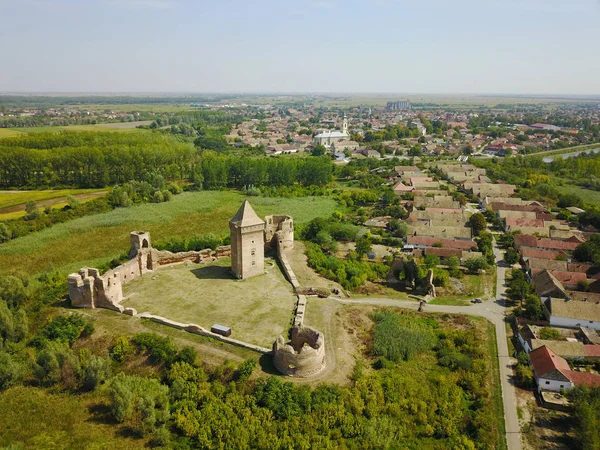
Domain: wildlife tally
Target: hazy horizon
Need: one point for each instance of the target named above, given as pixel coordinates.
(370, 47)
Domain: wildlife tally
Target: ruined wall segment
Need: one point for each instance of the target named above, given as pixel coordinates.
(138, 240)
(279, 232)
(303, 356)
(89, 289)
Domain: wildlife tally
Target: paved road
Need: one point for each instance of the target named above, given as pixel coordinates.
(493, 310)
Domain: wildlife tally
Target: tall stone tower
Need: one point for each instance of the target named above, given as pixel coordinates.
(247, 243)
(345, 125)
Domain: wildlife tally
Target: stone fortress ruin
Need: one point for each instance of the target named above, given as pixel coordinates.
(303, 356)
(251, 237)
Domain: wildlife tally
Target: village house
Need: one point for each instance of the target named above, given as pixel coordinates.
(529, 241)
(553, 373)
(562, 312)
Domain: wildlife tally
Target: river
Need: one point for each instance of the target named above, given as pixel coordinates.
(549, 159)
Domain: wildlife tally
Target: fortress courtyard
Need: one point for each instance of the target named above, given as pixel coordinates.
(257, 309)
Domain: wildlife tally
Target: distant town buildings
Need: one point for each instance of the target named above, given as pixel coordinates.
(398, 105)
(329, 138)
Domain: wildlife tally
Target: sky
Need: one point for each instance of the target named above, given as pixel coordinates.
(349, 46)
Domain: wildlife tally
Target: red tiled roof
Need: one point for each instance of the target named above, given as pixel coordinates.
(544, 216)
(540, 254)
(591, 351)
(527, 240)
(565, 277)
(520, 222)
(582, 378)
(497, 206)
(414, 180)
(543, 360)
(443, 252)
(400, 186)
(578, 267)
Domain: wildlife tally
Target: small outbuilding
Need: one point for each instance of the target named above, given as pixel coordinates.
(221, 329)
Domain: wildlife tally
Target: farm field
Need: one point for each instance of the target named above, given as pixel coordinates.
(153, 107)
(95, 240)
(116, 127)
(12, 203)
(257, 309)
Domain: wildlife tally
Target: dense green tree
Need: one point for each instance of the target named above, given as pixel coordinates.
(478, 223)
(511, 256)
(586, 416)
(318, 150)
(140, 403)
(364, 245)
(475, 264)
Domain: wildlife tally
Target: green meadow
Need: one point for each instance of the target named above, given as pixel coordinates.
(56, 129)
(38, 418)
(93, 240)
(7, 132)
(15, 198)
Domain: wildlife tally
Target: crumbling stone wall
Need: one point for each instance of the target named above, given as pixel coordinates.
(279, 232)
(303, 356)
(89, 289)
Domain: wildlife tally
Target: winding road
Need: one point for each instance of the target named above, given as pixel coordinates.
(494, 311)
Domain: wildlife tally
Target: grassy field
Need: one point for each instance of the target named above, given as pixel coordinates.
(37, 418)
(587, 195)
(257, 309)
(8, 132)
(100, 127)
(93, 240)
(474, 285)
(15, 198)
(153, 107)
(562, 151)
(108, 324)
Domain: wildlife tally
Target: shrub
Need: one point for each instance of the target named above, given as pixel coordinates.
(140, 403)
(454, 359)
(524, 375)
(550, 334)
(441, 277)
(12, 372)
(188, 355)
(476, 263)
(94, 370)
(160, 349)
(121, 349)
(66, 329)
(245, 369)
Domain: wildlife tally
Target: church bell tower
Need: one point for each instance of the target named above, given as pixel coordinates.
(345, 125)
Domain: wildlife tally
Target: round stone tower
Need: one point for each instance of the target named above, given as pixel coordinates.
(303, 356)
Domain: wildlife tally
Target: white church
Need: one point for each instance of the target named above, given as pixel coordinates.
(336, 140)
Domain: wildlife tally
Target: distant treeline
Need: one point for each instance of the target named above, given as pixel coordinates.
(94, 159)
(40, 101)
